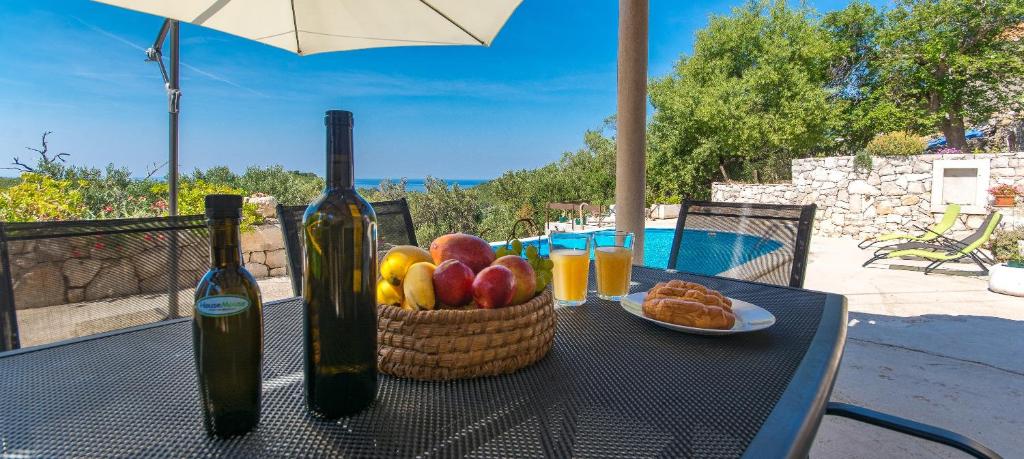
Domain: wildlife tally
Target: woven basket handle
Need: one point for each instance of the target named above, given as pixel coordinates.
(527, 222)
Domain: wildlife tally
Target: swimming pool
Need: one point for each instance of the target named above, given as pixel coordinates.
(702, 252)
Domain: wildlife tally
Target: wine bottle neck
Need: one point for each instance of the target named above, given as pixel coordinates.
(340, 170)
(225, 244)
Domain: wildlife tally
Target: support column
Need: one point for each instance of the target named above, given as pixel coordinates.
(631, 123)
(174, 99)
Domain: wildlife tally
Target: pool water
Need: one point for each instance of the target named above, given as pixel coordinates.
(702, 252)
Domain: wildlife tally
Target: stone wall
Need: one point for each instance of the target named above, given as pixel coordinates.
(263, 251)
(55, 271)
(893, 196)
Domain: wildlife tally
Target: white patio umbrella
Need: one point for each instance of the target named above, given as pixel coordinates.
(309, 27)
(317, 26)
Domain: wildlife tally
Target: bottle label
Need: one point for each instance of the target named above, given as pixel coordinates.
(222, 305)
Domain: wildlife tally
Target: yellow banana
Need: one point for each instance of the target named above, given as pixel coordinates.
(396, 262)
(388, 293)
(418, 287)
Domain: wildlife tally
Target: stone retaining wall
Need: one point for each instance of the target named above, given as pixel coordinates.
(894, 195)
(53, 272)
(263, 251)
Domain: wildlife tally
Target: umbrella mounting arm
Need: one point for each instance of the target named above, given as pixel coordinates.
(155, 54)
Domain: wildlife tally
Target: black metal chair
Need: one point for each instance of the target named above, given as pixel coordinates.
(394, 227)
(761, 242)
(769, 243)
(912, 428)
(90, 263)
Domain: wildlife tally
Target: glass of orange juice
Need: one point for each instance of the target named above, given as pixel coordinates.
(570, 255)
(613, 260)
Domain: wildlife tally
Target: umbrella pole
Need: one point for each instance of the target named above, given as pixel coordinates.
(174, 99)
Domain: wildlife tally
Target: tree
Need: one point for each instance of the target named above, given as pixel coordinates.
(443, 209)
(854, 80)
(750, 98)
(46, 163)
(946, 61)
(587, 174)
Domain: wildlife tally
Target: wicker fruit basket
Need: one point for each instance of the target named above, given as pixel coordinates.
(464, 343)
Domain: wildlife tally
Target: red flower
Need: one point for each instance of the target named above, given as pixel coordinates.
(148, 237)
(99, 246)
(108, 209)
(161, 237)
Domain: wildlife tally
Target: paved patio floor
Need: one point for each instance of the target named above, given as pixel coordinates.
(940, 349)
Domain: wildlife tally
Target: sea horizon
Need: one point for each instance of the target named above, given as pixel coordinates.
(413, 184)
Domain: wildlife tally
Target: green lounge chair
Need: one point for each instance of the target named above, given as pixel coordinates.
(947, 249)
(932, 232)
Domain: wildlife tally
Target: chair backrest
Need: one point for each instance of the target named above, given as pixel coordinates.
(394, 227)
(760, 242)
(76, 278)
(947, 222)
(982, 234)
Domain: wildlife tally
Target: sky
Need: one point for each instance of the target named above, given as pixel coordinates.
(77, 68)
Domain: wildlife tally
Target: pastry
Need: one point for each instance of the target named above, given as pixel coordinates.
(689, 304)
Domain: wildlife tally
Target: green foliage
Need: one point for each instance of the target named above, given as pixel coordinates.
(191, 200)
(112, 193)
(1003, 244)
(7, 182)
(750, 98)
(390, 190)
(40, 198)
(854, 78)
(492, 208)
(443, 209)
(584, 175)
(942, 62)
(896, 144)
(862, 161)
(220, 175)
(288, 187)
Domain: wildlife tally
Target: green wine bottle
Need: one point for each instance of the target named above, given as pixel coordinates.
(339, 273)
(227, 327)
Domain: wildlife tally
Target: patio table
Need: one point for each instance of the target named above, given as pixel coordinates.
(613, 385)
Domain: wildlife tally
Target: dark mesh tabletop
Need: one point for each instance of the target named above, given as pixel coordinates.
(613, 385)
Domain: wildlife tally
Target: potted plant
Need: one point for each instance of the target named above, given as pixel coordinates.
(1004, 194)
(1017, 259)
(1007, 245)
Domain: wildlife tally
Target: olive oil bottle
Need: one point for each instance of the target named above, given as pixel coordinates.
(339, 274)
(227, 327)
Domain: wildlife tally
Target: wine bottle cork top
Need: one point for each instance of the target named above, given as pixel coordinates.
(223, 206)
(338, 118)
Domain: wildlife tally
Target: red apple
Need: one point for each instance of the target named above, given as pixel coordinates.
(453, 283)
(471, 250)
(525, 280)
(493, 287)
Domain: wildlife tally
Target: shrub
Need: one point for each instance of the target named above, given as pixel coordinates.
(289, 187)
(1003, 244)
(896, 144)
(7, 182)
(862, 161)
(444, 209)
(40, 198)
(112, 193)
(191, 200)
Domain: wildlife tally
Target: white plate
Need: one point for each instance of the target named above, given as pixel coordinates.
(748, 317)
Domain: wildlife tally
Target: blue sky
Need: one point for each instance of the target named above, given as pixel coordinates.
(77, 68)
